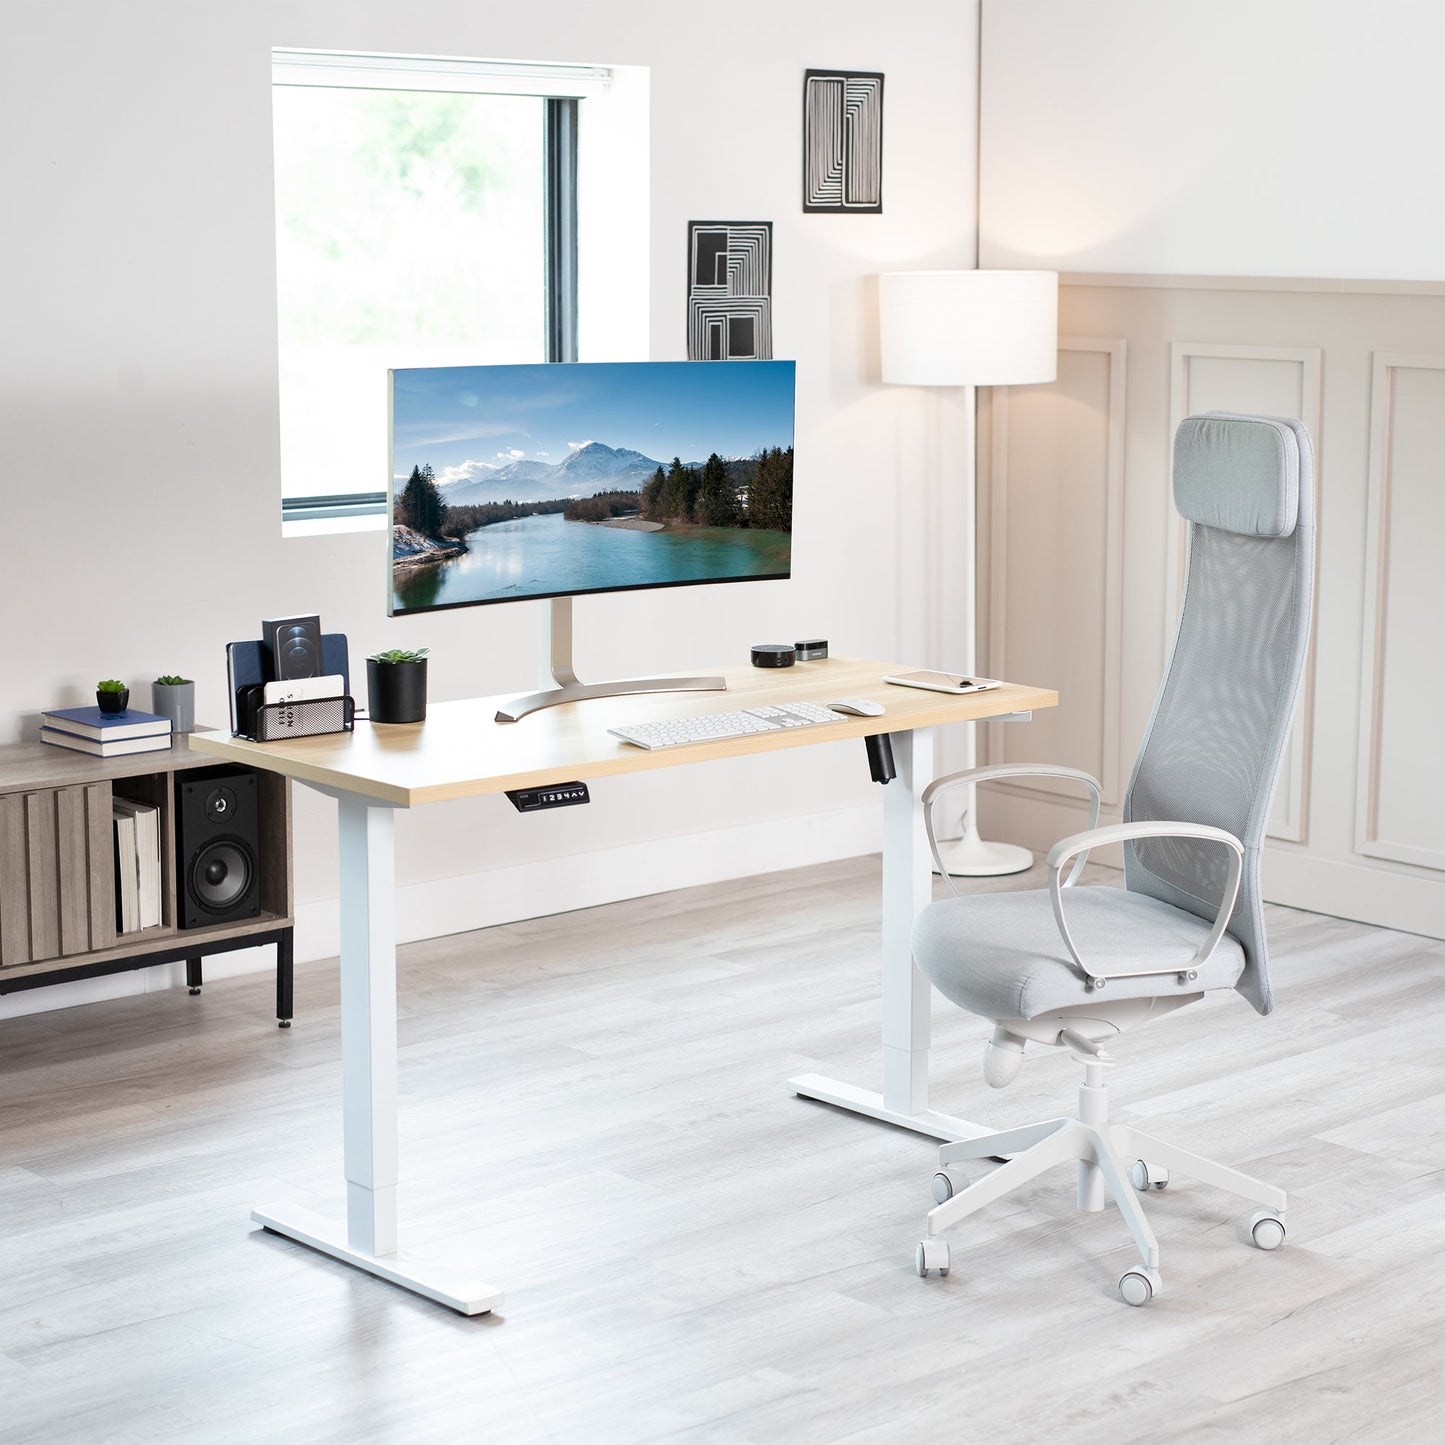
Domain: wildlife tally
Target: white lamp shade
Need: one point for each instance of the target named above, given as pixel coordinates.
(968, 328)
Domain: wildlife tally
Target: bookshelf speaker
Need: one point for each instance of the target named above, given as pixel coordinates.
(218, 834)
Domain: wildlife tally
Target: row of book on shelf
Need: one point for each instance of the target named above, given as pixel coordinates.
(105, 734)
(137, 831)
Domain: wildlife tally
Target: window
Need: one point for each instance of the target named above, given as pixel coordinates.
(425, 216)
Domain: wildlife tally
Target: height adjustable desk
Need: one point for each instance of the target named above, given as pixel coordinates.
(461, 751)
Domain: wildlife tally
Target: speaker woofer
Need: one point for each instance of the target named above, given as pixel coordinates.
(221, 874)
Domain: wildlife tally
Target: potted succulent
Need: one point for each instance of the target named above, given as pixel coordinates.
(396, 685)
(175, 697)
(112, 696)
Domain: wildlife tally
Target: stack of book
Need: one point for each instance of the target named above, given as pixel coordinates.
(105, 734)
(137, 829)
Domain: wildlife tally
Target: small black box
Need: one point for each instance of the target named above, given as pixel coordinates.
(292, 647)
(773, 654)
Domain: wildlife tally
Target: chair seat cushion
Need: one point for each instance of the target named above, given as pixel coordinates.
(999, 955)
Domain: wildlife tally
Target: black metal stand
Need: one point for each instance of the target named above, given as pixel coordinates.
(285, 977)
(179, 951)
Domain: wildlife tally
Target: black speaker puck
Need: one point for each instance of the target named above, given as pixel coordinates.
(774, 654)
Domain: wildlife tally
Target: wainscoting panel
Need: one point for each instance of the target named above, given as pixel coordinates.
(1053, 610)
(1083, 553)
(1401, 812)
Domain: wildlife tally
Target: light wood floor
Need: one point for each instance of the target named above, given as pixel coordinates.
(594, 1117)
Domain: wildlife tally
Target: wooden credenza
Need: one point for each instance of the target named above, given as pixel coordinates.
(57, 870)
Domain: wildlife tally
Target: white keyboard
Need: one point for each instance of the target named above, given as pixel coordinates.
(712, 726)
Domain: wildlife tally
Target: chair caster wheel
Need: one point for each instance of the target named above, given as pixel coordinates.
(1138, 1286)
(1148, 1176)
(1266, 1229)
(195, 992)
(942, 1188)
(283, 1023)
(931, 1254)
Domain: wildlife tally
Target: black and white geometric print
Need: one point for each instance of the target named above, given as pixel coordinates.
(729, 290)
(842, 141)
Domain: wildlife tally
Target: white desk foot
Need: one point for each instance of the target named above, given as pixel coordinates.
(865, 1101)
(975, 857)
(434, 1281)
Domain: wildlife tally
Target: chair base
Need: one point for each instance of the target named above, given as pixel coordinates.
(1113, 1160)
(973, 857)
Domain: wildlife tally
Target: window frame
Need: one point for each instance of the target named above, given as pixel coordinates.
(561, 87)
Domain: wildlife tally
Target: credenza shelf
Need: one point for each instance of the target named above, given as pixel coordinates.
(57, 899)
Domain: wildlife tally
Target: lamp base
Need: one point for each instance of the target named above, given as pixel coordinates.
(973, 857)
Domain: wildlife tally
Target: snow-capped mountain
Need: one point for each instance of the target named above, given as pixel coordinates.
(613, 468)
(582, 473)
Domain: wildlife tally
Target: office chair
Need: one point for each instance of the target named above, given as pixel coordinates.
(1072, 967)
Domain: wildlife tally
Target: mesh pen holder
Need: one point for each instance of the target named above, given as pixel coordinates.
(306, 718)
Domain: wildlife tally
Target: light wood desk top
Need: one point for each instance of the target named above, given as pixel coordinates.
(461, 750)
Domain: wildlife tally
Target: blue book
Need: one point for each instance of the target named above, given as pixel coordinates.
(110, 747)
(90, 722)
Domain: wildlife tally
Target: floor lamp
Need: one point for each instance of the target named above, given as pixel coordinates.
(970, 329)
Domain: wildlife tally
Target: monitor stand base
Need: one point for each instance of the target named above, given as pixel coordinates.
(558, 652)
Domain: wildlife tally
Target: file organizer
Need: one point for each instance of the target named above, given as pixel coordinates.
(309, 717)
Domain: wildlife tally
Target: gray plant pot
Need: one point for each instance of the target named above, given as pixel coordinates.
(176, 701)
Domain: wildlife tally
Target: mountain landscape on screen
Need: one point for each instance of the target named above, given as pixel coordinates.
(502, 490)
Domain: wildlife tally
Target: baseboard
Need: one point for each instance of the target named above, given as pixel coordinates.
(1362, 891)
(440, 906)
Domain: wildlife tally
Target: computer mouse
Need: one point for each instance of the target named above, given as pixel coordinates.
(857, 707)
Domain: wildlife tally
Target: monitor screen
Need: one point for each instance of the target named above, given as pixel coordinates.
(510, 482)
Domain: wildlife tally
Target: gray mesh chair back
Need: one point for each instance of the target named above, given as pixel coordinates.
(1215, 741)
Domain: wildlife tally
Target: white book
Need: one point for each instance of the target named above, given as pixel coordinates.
(127, 874)
(148, 859)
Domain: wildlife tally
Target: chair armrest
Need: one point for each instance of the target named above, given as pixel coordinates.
(970, 776)
(1079, 846)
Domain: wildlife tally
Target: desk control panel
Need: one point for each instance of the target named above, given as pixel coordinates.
(557, 795)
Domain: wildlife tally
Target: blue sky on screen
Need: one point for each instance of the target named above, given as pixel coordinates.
(464, 419)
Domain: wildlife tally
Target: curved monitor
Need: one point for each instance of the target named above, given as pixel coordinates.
(516, 482)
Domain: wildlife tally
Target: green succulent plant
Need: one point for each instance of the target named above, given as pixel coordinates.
(399, 654)
(167, 679)
(110, 684)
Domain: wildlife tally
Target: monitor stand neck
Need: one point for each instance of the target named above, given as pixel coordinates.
(557, 660)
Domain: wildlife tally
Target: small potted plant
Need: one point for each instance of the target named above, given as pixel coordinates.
(175, 698)
(396, 685)
(112, 696)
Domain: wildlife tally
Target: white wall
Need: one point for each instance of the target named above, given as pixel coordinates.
(138, 410)
(1289, 138)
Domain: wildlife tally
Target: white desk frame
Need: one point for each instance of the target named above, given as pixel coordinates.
(907, 890)
(370, 1146)
(365, 821)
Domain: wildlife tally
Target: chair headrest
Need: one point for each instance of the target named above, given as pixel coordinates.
(1238, 473)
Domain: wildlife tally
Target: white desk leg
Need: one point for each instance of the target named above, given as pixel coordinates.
(368, 1077)
(907, 888)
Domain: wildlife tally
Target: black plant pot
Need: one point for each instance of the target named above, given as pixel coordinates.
(113, 701)
(396, 691)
